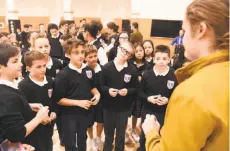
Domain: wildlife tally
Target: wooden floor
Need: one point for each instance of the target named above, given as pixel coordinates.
(132, 146)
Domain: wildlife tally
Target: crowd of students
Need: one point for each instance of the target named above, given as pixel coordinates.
(75, 77)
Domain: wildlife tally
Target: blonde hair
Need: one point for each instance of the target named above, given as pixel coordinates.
(215, 13)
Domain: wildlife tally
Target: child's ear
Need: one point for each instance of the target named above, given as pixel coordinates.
(67, 55)
(28, 68)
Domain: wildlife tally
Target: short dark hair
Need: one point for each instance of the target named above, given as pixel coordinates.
(83, 19)
(162, 49)
(52, 26)
(31, 56)
(26, 26)
(7, 51)
(135, 25)
(41, 24)
(62, 23)
(73, 44)
(90, 49)
(92, 28)
(30, 25)
(99, 25)
(113, 26)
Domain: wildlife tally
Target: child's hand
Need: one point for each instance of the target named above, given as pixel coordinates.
(152, 99)
(53, 116)
(96, 99)
(113, 92)
(85, 104)
(123, 92)
(43, 113)
(46, 121)
(36, 106)
(162, 101)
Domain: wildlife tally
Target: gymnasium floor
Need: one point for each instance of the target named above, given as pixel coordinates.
(132, 146)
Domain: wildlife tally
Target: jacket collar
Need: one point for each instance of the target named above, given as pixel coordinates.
(186, 72)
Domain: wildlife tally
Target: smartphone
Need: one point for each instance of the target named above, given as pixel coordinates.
(156, 96)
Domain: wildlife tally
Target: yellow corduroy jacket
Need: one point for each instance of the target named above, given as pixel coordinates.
(197, 114)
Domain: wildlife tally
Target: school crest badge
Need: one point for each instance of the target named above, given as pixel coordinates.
(127, 78)
(170, 84)
(50, 92)
(89, 74)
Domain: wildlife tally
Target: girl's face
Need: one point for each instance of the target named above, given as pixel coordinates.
(123, 37)
(148, 49)
(72, 30)
(42, 45)
(139, 54)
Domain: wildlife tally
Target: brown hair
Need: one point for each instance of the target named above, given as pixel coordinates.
(162, 49)
(90, 49)
(70, 44)
(215, 13)
(31, 56)
(113, 26)
(7, 51)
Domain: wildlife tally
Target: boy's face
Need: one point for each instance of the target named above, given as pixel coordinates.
(42, 28)
(38, 68)
(13, 68)
(161, 60)
(125, 52)
(77, 55)
(54, 32)
(42, 45)
(91, 59)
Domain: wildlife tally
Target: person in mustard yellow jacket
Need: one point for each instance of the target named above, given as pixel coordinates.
(197, 114)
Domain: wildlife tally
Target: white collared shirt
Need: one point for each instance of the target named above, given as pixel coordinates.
(50, 63)
(13, 85)
(41, 84)
(98, 68)
(54, 36)
(160, 74)
(101, 53)
(98, 36)
(120, 67)
(77, 69)
(149, 59)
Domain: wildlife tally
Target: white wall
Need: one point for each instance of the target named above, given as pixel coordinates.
(105, 9)
(164, 9)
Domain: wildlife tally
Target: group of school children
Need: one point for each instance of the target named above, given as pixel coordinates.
(75, 83)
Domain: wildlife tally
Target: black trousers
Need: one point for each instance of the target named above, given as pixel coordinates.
(115, 120)
(74, 128)
(59, 128)
(160, 117)
(41, 138)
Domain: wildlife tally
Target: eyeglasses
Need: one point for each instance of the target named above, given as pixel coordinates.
(127, 53)
(125, 38)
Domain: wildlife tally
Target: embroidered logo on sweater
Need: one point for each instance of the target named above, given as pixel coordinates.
(127, 78)
(50, 92)
(170, 84)
(89, 74)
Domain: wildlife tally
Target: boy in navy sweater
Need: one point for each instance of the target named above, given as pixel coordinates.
(73, 88)
(38, 89)
(119, 84)
(157, 85)
(17, 117)
(91, 59)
